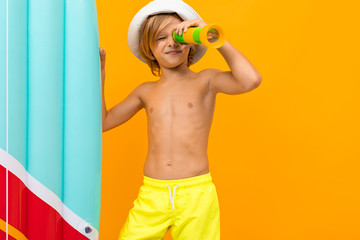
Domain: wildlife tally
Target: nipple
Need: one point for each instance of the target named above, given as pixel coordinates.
(190, 105)
(151, 109)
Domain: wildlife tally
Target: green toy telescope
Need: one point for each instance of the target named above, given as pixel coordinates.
(212, 35)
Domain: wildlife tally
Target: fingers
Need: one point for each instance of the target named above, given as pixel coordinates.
(102, 57)
(184, 26)
(102, 54)
(102, 51)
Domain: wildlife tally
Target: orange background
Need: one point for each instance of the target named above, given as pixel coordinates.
(284, 157)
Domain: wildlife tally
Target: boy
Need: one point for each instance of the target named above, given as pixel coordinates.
(178, 191)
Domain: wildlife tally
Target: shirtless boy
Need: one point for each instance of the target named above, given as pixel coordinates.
(178, 191)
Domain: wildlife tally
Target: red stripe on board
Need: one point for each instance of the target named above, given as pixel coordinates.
(17, 203)
(3, 236)
(33, 217)
(2, 193)
(11, 238)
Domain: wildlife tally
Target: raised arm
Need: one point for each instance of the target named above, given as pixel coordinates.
(242, 77)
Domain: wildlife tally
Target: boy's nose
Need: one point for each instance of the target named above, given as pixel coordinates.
(171, 42)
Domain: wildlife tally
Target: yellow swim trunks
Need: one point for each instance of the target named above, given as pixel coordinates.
(189, 206)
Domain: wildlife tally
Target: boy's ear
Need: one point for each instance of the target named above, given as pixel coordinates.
(192, 45)
(192, 48)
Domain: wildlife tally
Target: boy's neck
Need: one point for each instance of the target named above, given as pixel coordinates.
(177, 73)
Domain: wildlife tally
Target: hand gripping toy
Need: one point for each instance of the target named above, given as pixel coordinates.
(212, 35)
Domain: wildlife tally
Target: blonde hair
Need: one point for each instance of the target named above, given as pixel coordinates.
(150, 29)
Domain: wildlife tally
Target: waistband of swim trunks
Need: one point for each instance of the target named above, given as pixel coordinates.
(185, 182)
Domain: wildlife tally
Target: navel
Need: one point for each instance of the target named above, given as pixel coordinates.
(151, 109)
(190, 105)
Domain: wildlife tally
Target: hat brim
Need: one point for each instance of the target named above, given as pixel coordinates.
(156, 7)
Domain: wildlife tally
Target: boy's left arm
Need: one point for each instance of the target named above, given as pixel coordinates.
(242, 77)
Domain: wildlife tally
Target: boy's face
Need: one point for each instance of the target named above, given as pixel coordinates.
(166, 50)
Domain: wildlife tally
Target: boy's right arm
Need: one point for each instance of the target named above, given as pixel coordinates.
(123, 111)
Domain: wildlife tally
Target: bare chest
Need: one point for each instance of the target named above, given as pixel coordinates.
(177, 99)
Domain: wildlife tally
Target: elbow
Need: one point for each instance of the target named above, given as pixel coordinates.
(104, 127)
(257, 80)
(253, 83)
(103, 122)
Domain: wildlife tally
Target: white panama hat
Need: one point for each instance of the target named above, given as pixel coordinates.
(161, 6)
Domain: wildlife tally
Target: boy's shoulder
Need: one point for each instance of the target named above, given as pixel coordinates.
(144, 87)
(209, 72)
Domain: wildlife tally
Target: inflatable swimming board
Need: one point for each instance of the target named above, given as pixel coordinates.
(50, 120)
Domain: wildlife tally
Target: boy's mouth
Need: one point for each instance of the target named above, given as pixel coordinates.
(173, 52)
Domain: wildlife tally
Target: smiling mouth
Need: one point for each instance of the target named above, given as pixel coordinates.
(173, 52)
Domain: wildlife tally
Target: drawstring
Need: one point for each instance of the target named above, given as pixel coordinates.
(172, 198)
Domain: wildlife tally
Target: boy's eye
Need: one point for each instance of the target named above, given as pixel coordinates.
(161, 38)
